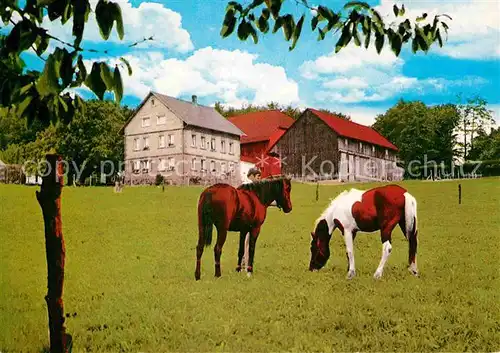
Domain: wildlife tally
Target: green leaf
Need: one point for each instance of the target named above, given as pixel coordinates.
(104, 18)
(252, 32)
(228, 24)
(438, 37)
(376, 17)
(56, 9)
(243, 31)
(81, 68)
(44, 2)
(396, 44)
(360, 4)
(233, 5)
(414, 44)
(277, 24)
(106, 76)
(395, 10)
(66, 69)
(421, 18)
(116, 12)
(379, 41)
(314, 22)
(367, 37)
(94, 81)
(288, 26)
(402, 10)
(275, 8)
(266, 13)
(21, 107)
(296, 33)
(81, 11)
(326, 13)
(118, 84)
(355, 35)
(123, 60)
(42, 45)
(48, 83)
(67, 13)
(255, 3)
(63, 104)
(344, 39)
(25, 89)
(262, 24)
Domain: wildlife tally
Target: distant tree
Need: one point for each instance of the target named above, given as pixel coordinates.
(288, 110)
(485, 146)
(419, 130)
(474, 117)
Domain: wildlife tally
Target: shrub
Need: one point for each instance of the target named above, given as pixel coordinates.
(159, 179)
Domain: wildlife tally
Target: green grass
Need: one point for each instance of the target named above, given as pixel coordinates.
(130, 277)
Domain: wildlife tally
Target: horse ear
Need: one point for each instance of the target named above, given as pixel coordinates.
(312, 235)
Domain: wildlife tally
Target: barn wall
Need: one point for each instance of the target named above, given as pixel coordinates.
(309, 149)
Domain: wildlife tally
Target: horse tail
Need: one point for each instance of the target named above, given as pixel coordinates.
(411, 226)
(410, 215)
(206, 222)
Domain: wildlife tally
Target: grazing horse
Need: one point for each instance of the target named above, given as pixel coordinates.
(241, 209)
(380, 208)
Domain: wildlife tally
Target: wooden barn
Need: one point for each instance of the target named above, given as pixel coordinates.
(262, 130)
(322, 146)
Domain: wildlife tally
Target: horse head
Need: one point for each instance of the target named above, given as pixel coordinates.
(320, 246)
(282, 197)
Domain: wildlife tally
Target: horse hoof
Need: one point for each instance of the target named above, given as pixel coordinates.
(238, 269)
(414, 272)
(197, 277)
(377, 275)
(351, 275)
(249, 274)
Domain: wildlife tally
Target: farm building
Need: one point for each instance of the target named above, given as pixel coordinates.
(262, 129)
(183, 141)
(323, 146)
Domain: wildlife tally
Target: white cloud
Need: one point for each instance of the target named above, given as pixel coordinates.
(361, 75)
(233, 77)
(149, 19)
(474, 29)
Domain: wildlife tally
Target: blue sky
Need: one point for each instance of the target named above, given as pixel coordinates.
(188, 56)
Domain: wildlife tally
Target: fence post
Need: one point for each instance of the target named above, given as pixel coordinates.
(459, 194)
(317, 191)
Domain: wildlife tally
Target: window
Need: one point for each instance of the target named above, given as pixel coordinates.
(136, 145)
(212, 144)
(161, 120)
(193, 164)
(373, 150)
(152, 102)
(231, 149)
(212, 166)
(162, 165)
(162, 141)
(361, 147)
(146, 143)
(145, 165)
(223, 146)
(136, 166)
(386, 153)
(346, 143)
(203, 166)
(171, 163)
(146, 122)
(203, 142)
(170, 140)
(231, 167)
(193, 140)
(223, 168)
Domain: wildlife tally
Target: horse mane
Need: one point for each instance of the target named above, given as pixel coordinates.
(264, 187)
(332, 203)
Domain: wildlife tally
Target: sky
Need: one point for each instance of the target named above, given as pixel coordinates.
(189, 57)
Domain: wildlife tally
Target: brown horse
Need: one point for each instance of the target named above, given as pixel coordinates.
(241, 209)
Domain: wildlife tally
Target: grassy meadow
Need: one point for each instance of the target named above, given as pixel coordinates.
(130, 284)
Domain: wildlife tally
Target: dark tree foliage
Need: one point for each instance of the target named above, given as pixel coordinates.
(357, 22)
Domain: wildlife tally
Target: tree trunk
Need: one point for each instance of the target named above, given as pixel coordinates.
(49, 198)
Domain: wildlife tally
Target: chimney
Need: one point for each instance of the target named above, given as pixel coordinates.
(194, 99)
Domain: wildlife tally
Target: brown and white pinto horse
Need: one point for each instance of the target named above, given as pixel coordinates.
(380, 208)
(241, 209)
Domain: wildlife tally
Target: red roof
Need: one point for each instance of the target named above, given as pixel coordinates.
(353, 130)
(261, 126)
